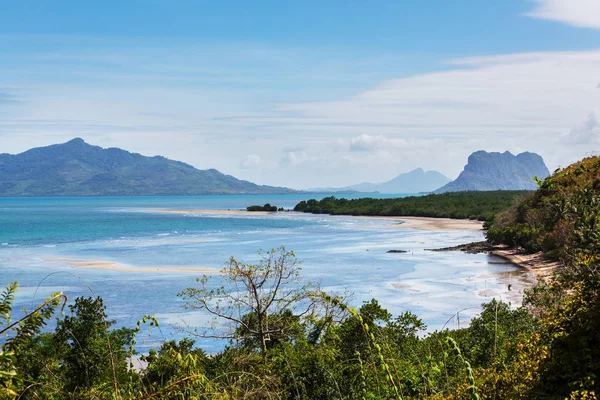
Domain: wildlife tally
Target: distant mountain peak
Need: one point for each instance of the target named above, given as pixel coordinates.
(414, 181)
(498, 171)
(76, 140)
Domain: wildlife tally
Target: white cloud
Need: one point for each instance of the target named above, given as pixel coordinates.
(581, 13)
(586, 133)
(295, 158)
(369, 143)
(505, 102)
(250, 161)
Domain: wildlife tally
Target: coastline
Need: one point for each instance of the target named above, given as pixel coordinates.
(535, 263)
(418, 223)
(434, 224)
(113, 266)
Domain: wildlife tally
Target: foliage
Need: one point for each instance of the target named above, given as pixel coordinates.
(562, 218)
(17, 335)
(89, 354)
(259, 304)
(267, 207)
(482, 206)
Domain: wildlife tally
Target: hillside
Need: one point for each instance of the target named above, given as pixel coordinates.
(76, 168)
(562, 218)
(415, 181)
(498, 171)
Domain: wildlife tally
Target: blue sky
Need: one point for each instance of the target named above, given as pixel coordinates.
(307, 93)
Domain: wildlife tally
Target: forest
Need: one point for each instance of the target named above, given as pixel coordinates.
(482, 206)
(289, 339)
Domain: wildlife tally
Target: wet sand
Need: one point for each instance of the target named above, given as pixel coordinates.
(113, 266)
(512, 284)
(535, 263)
(436, 224)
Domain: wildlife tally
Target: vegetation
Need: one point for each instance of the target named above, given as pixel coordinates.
(562, 218)
(295, 342)
(290, 340)
(482, 206)
(267, 207)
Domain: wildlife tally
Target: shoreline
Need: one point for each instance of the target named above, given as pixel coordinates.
(405, 222)
(113, 266)
(536, 263)
(433, 224)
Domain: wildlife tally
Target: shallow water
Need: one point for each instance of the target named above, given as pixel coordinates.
(343, 253)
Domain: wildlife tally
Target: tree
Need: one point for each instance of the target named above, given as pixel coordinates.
(89, 353)
(257, 301)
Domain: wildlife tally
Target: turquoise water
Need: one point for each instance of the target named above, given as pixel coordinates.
(343, 253)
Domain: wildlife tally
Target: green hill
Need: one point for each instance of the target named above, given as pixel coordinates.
(76, 168)
(561, 218)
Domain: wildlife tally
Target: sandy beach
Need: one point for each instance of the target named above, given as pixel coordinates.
(112, 266)
(419, 223)
(535, 263)
(435, 224)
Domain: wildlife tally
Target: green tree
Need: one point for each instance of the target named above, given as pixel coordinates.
(257, 301)
(90, 354)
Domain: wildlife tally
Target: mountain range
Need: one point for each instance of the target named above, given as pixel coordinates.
(498, 171)
(76, 168)
(415, 181)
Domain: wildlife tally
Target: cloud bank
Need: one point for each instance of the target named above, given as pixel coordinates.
(517, 102)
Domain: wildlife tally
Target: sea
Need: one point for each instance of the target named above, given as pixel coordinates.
(44, 240)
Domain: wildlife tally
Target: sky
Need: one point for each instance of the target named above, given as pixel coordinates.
(306, 93)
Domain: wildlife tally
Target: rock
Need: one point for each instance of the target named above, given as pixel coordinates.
(498, 171)
(472, 248)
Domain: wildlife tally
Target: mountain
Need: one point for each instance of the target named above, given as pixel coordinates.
(415, 181)
(76, 168)
(498, 171)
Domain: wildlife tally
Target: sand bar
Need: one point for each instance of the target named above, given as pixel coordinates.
(212, 212)
(435, 224)
(419, 223)
(113, 266)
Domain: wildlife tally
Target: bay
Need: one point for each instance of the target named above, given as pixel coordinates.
(42, 239)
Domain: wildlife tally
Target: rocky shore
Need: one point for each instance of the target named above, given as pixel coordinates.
(541, 266)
